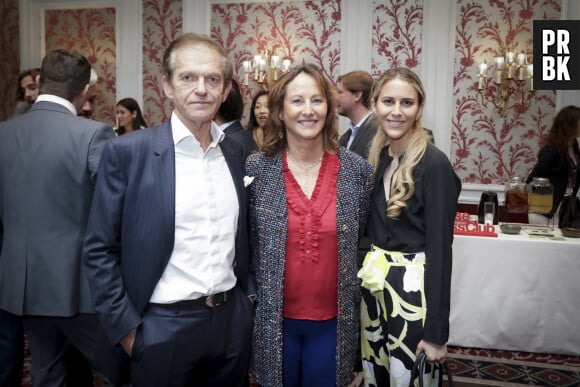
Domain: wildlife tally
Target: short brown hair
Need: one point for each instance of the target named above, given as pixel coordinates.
(356, 81)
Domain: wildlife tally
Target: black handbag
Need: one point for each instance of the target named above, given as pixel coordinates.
(419, 369)
(569, 212)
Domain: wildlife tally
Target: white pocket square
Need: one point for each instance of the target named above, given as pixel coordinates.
(248, 180)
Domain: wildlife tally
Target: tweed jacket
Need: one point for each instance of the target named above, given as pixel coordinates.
(268, 230)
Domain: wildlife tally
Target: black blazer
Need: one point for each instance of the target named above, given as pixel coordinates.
(237, 132)
(364, 136)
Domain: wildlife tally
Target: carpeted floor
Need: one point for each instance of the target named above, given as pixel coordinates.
(481, 367)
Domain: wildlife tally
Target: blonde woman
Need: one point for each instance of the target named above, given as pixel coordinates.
(407, 272)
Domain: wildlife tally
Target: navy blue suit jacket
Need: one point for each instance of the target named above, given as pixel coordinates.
(131, 228)
(241, 135)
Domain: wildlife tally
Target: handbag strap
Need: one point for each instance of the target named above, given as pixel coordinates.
(419, 369)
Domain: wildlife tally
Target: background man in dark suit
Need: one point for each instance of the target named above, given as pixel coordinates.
(228, 118)
(353, 101)
(166, 250)
(48, 165)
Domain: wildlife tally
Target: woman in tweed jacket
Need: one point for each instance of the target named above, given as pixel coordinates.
(301, 164)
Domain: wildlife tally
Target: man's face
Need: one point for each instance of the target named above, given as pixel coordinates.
(30, 88)
(88, 107)
(345, 100)
(196, 87)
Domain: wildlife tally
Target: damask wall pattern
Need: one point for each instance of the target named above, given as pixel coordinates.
(397, 28)
(305, 31)
(487, 148)
(10, 63)
(94, 37)
(162, 22)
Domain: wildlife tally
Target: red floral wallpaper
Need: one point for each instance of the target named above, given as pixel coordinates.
(304, 31)
(162, 22)
(10, 63)
(487, 148)
(94, 37)
(397, 35)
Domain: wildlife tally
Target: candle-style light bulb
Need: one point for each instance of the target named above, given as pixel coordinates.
(482, 68)
(286, 64)
(531, 76)
(509, 56)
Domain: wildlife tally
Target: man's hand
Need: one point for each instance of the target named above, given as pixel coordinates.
(128, 341)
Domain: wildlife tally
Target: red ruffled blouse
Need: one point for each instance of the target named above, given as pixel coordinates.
(311, 266)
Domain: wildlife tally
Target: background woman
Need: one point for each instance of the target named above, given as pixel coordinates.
(129, 116)
(308, 206)
(407, 274)
(558, 160)
(258, 116)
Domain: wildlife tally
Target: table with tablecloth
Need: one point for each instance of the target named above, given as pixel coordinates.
(516, 292)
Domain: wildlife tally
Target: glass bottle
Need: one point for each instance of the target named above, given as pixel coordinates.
(540, 196)
(516, 196)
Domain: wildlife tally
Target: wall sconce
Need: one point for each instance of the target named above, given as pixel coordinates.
(510, 77)
(265, 69)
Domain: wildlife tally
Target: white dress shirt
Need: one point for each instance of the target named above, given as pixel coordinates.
(56, 99)
(206, 218)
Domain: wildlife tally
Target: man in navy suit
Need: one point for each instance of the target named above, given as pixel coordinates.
(354, 102)
(166, 251)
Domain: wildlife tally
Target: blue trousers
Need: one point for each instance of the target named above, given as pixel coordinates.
(309, 354)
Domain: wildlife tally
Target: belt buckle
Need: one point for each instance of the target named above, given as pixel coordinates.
(209, 301)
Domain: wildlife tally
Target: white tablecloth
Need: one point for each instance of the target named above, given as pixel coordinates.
(516, 293)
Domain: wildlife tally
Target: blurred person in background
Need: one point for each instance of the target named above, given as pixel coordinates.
(88, 107)
(129, 116)
(258, 116)
(27, 90)
(228, 118)
(353, 101)
(559, 161)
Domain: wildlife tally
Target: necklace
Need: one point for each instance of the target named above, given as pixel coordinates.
(307, 188)
(308, 168)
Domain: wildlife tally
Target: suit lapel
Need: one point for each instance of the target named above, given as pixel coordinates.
(362, 136)
(163, 173)
(235, 164)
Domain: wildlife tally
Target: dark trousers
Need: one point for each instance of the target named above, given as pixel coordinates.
(201, 346)
(309, 353)
(11, 350)
(54, 340)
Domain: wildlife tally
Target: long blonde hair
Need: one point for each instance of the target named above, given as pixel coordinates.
(402, 185)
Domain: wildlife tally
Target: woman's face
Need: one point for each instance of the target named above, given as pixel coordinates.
(397, 109)
(261, 111)
(305, 109)
(125, 117)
